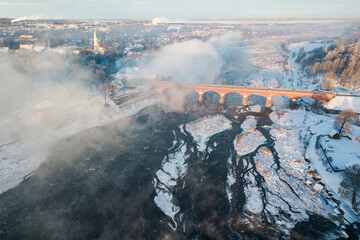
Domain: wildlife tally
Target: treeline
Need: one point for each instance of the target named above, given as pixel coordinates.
(103, 66)
(338, 63)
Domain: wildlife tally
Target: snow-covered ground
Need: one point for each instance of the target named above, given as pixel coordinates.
(291, 133)
(267, 62)
(341, 151)
(285, 192)
(343, 103)
(289, 186)
(277, 69)
(266, 56)
(23, 146)
(298, 77)
(281, 70)
(296, 133)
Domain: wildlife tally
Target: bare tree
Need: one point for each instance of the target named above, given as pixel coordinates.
(345, 119)
(351, 182)
(100, 76)
(328, 83)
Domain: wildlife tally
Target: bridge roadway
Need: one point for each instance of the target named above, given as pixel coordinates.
(245, 91)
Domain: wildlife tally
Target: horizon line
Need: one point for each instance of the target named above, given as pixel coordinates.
(193, 19)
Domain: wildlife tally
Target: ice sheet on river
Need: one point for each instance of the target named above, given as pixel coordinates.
(287, 199)
(246, 142)
(292, 130)
(280, 192)
(250, 138)
(173, 168)
(202, 129)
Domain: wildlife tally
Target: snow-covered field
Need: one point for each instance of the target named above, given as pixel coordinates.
(267, 62)
(266, 56)
(341, 151)
(297, 75)
(344, 103)
(277, 69)
(291, 133)
(23, 146)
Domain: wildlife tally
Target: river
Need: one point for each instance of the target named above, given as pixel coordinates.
(105, 183)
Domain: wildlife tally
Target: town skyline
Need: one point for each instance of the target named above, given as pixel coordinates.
(200, 9)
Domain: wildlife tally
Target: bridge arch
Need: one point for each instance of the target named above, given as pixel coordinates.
(234, 99)
(306, 101)
(191, 96)
(281, 100)
(212, 96)
(257, 99)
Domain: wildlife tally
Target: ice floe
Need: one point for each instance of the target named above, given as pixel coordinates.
(202, 129)
(173, 168)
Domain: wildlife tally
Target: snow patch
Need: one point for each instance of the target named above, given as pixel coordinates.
(248, 142)
(230, 178)
(341, 151)
(343, 103)
(202, 129)
(255, 108)
(253, 202)
(173, 168)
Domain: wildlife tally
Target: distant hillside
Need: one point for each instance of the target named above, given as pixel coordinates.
(5, 20)
(337, 64)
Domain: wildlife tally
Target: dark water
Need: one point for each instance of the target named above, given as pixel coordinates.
(98, 185)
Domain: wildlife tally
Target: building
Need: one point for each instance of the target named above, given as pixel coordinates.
(97, 48)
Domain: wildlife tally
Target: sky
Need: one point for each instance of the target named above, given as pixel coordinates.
(179, 9)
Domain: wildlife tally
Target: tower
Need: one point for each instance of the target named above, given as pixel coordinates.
(96, 44)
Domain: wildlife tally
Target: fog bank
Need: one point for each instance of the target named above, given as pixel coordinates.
(194, 60)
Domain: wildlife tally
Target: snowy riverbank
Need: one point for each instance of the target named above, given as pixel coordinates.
(344, 103)
(24, 147)
(305, 127)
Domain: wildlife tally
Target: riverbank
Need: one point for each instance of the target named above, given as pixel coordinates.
(24, 149)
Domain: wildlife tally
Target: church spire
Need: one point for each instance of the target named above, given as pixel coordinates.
(96, 44)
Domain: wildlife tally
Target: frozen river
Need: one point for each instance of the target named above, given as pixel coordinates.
(208, 173)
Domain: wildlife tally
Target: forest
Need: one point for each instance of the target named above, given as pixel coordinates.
(338, 64)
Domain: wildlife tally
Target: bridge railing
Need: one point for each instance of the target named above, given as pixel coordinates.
(206, 85)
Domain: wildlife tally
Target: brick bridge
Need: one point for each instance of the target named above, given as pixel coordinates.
(222, 90)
